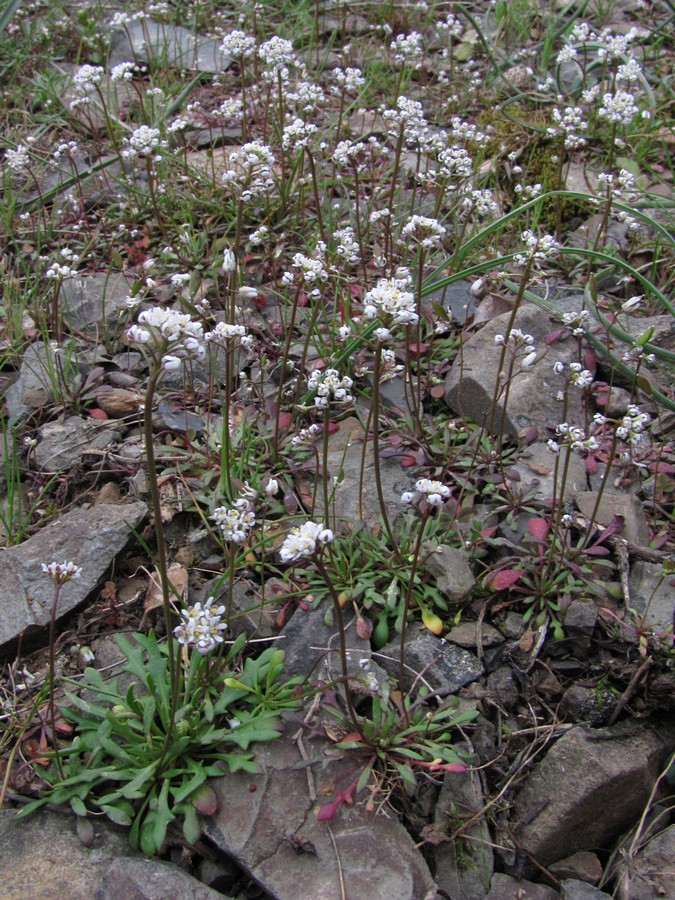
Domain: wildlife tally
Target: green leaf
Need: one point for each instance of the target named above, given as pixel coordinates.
(188, 787)
(78, 806)
(163, 815)
(122, 814)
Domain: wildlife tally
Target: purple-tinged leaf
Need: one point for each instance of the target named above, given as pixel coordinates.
(538, 528)
(504, 579)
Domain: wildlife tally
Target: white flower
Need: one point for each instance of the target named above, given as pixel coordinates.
(202, 627)
(144, 142)
(302, 541)
(435, 492)
(236, 521)
(618, 107)
(229, 261)
(428, 232)
(329, 386)
(225, 333)
(60, 573)
(17, 160)
(390, 298)
(172, 335)
(271, 488)
(238, 45)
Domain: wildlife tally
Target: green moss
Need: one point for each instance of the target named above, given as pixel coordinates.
(518, 128)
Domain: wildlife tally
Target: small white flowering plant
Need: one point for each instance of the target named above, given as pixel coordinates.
(141, 762)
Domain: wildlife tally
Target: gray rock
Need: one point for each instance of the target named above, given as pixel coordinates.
(581, 866)
(62, 443)
(650, 873)
(92, 303)
(43, 858)
(504, 887)
(580, 618)
(44, 376)
(573, 889)
(589, 788)
(470, 385)
(585, 704)
(535, 469)
(451, 570)
(91, 538)
(463, 867)
(652, 596)
(503, 686)
(268, 823)
(355, 500)
(465, 635)
(444, 666)
(150, 879)
(635, 527)
(151, 42)
(308, 641)
(249, 613)
(456, 298)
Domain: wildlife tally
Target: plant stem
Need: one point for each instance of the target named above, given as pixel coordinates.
(343, 640)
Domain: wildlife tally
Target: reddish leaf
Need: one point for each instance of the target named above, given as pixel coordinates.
(538, 528)
(437, 391)
(285, 419)
(205, 800)
(97, 413)
(504, 579)
(662, 467)
(328, 810)
(589, 359)
(488, 532)
(418, 348)
(554, 336)
(407, 460)
(597, 551)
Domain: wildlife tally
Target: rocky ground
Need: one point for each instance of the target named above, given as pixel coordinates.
(569, 788)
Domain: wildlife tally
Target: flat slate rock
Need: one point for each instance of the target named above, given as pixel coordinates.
(590, 787)
(91, 538)
(42, 858)
(148, 41)
(268, 824)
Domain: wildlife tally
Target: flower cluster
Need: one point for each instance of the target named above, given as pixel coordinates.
(434, 492)
(60, 573)
(297, 135)
(238, 45)
(538, 248)
(348, 80)
(250, 170)
(17, 160)
(329, 386)
(174, 336)
(236, 521)
(481, 203)
(224, 333)
(407, 47)
(569, 123)
(347, 246)
(203, 626)
(618, 107)
(573, 437)
(519, 342)
(580, 377)
(302, 541)
(390, 297)
(633, 425)
(144, 142)
(427, 232)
